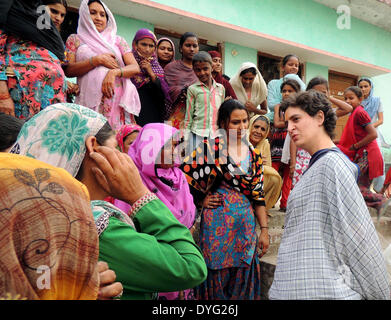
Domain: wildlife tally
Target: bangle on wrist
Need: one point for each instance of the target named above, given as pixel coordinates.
(122, 72)
(4, 96)
(264, 227)
(145, 199)
(91, 63)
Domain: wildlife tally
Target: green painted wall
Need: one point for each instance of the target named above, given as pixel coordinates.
(318, 30)
(232, 63)
(127, 27)
(288, 19)
(314, 70)
(382, 89)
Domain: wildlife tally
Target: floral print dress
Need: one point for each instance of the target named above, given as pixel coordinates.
(34, 75)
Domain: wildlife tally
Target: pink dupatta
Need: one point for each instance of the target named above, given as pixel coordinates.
(94, 43)
(170, 186)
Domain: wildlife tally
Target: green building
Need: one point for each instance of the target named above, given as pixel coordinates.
(340, 40)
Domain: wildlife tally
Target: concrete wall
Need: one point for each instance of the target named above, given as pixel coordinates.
(314, 70)
(235, 55)
(127, 27)
(382, 86)
(291, 20)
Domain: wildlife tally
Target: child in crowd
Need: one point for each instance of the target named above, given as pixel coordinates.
(290, 66)
(358, 142)
(303, 157)
(126, 135)
(279, 135)
(203, 100)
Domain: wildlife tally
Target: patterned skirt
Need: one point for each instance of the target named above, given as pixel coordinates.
(243, 283)
(228, 242)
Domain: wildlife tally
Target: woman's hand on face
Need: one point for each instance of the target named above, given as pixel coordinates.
(263, 241)
(108, 84)
(107, 60)
(7, 106)
(118, 175)
(108, 289)
(146, 65)
(212, 201)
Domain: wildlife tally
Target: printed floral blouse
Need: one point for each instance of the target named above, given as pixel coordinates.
(34, 75)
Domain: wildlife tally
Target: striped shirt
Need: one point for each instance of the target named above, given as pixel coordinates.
(330, 248)
(202, 106)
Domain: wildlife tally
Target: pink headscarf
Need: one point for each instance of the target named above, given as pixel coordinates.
(175, 191)
(124, 131)
(93, 43)
(142, 78)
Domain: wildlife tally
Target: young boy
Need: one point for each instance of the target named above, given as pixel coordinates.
(203, 100)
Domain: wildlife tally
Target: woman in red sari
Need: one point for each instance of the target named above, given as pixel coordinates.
(358, 142)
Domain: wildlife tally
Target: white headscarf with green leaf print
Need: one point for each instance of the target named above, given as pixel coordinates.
(57, 134)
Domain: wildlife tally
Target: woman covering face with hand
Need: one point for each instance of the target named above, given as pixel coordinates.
(150, 82)
(81, 141)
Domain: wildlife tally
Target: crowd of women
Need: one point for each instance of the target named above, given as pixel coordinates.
(152, 182)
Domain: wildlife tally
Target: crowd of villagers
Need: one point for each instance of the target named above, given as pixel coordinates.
(153, 176)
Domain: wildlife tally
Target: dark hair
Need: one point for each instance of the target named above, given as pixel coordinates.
(202, 56)
(226, 77)
(312, 102)
(252, 70)
(100, 2)
(101, 137)
(9, 130)
(225, 110)
(63, 2)
(366, 80)
(317, 81)
(287, 57)
(185, 36)
(293, 83)
(104, 134)
(356, 90)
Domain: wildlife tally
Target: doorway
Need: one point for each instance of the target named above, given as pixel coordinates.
(338, 82)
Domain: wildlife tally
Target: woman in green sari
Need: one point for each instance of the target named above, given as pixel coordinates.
(149, 250)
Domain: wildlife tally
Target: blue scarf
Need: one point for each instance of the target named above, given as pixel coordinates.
(371, 104)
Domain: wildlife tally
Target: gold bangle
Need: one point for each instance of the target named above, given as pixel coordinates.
(92, 62)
